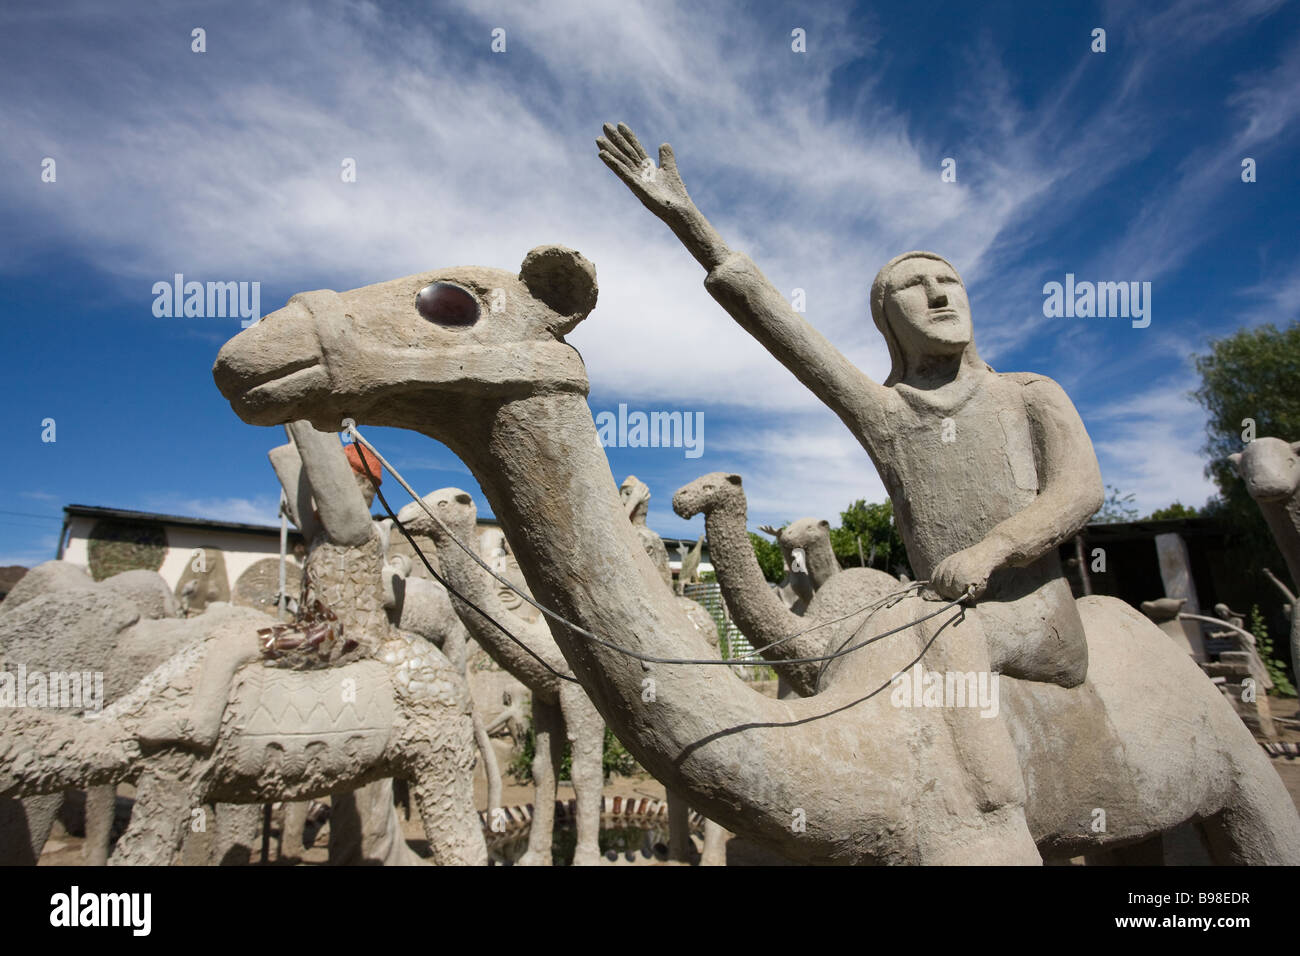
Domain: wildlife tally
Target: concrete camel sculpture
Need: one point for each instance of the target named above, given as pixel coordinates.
(501, 388)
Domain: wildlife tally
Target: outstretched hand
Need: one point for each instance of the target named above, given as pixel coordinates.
(659, 188)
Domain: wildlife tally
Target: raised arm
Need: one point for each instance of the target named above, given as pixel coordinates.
(339, 502)
(740, 288)
(1069, 493)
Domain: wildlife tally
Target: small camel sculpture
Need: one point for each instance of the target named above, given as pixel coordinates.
(475, 358)
(809, 559)
(1271, 469)
(826, 624)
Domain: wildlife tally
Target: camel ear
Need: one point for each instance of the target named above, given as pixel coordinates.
(563, 279)
(1235, 458)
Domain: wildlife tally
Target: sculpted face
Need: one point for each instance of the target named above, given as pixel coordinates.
(927, 308)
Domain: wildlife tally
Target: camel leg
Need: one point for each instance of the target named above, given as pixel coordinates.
(679, 828)
(548, 733)
(365, 829)
(491, 768)
(237, 835)
(159, 821)
(101, 802)
(442, 782)
(586, 731)
(291, 829)
(25, 826)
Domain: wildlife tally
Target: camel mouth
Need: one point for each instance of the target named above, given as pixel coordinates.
(280, 396)
(283, 375)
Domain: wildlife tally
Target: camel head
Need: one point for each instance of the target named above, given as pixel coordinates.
(384, 354)
(708, 493)
(453, 506)
(1270, 467)
(806, 544)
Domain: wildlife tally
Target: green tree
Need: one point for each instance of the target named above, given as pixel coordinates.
(769, 557)
(1175, 510)
(1277, 670)
(872, 525)
(1248, 378)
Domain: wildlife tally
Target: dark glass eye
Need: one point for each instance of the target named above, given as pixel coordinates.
(447, 304)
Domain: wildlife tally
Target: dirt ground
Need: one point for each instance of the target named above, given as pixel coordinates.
(64, 849)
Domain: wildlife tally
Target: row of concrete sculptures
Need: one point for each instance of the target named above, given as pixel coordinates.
(1108, 735)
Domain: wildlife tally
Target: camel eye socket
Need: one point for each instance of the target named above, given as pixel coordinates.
(445, 304)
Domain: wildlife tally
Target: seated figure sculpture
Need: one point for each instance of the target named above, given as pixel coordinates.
(343, 571)
(988, 472)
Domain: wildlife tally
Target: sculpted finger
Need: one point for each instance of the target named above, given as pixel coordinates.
(630, 138)
(619, 166)
(615, 142)
(667, 161)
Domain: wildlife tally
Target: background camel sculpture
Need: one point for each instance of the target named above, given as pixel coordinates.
(828, 621)
(506, 394)
(809, 560)
(561, 709)
(1271, 469)
(58, 618)
(285, 735)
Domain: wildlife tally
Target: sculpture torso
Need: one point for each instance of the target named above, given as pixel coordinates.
(956, 463)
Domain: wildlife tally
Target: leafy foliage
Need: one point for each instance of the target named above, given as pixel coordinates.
(1277, 670)
(769, 557)
(1117, 508)
(1175, 510)
(1251, 374)
(615, 758)
(873, 526)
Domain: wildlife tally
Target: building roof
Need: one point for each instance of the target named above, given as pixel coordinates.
(207, 524)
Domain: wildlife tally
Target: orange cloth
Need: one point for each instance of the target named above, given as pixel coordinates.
(354, 453)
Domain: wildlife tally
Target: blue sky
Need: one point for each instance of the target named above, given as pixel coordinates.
(225, 166)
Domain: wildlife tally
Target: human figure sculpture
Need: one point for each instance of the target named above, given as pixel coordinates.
(988, 472)
(504, 391)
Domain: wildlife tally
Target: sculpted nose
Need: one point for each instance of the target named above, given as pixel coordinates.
(937, 298)
(280, 343)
